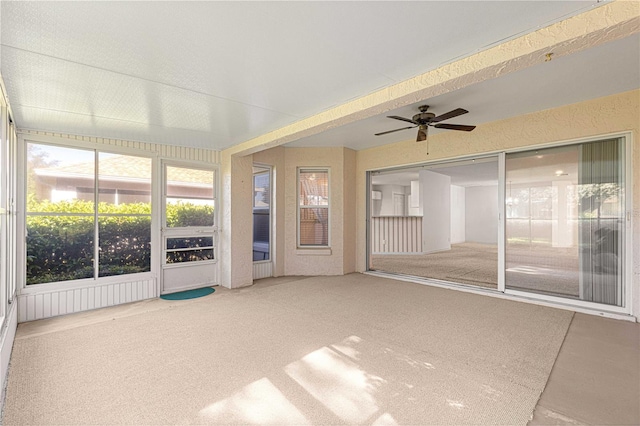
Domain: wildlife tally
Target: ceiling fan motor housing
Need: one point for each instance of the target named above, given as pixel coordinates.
(423, 117)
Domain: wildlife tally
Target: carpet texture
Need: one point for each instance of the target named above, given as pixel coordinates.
(548, 270)
(352, 349)
(466, 263)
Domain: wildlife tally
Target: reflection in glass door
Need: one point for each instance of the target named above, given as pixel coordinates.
(565, 226)
(189, 249)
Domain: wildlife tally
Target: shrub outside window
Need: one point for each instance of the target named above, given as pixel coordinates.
(313, 207)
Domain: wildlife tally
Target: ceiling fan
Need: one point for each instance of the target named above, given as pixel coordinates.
(425, 119)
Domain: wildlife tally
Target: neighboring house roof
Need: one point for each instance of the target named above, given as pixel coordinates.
(127, 168)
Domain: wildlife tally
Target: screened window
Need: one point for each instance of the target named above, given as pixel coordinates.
(88, 214)
(313, 207)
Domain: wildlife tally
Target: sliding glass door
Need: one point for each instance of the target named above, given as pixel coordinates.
(548, 223)
(565, 227)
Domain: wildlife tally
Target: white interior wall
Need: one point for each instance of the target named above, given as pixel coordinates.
(436, 222)
(386, 205)
(415, 199)
(376, 205)
(458, 214)
(481, 218)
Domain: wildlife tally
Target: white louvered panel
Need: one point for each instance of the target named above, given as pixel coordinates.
(262, 270)
(396, 234)
(44, 305)
(166, 151)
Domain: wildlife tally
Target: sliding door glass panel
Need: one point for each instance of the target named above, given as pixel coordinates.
(438, 221)
(565, 221)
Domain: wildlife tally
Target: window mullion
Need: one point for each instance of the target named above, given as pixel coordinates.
(96, 197)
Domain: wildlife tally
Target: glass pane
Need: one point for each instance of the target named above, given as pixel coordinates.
(192, 242)
(314, 229)
(314, 188)
(124, 184)
(183, 213)
(189, 197)
(261, 190)
(189, 255)
(261, 216)
(189, 183)
(125, 245)
(564, 235)
(59, 248)
(60, 179)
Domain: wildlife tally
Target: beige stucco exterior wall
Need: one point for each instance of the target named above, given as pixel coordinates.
(236, 232)
(274, 157)
(349, 213)
(612, 114)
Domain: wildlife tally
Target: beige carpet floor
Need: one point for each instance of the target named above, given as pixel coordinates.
(352, 349)
(546, 270)
(467, 263)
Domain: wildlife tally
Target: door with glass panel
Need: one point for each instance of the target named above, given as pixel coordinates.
(189, 228)
(566, 224)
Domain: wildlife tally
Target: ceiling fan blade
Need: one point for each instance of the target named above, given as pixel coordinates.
(455, 127)
(422, 135)
(408, 120)
(447, 115)
(396, 130)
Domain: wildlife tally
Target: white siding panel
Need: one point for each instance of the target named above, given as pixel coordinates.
(167, 151)
(262, 270)
(47, 305)
(44, 305)
(396, 234)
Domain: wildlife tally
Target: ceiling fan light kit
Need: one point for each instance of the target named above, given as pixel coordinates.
(425, 119)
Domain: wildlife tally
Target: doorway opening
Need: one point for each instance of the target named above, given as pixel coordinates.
(188, 227)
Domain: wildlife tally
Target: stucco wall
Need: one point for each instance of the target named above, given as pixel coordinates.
(617, 113)
(349, 212)
(313, 261)
(236, 232)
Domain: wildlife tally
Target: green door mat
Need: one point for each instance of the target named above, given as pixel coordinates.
(188, 294)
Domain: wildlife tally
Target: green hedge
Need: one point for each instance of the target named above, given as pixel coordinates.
(61, 248)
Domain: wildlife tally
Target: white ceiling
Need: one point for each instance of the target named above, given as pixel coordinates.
(215, 74)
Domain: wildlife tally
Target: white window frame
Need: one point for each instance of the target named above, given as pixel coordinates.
(326, 170)
(62, 142)
(624, 312)
(267, 169)
(191, 231)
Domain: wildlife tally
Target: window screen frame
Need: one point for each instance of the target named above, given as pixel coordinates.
(95, 149)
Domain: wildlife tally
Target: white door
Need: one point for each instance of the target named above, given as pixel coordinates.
(398, 204)
(189, 228)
